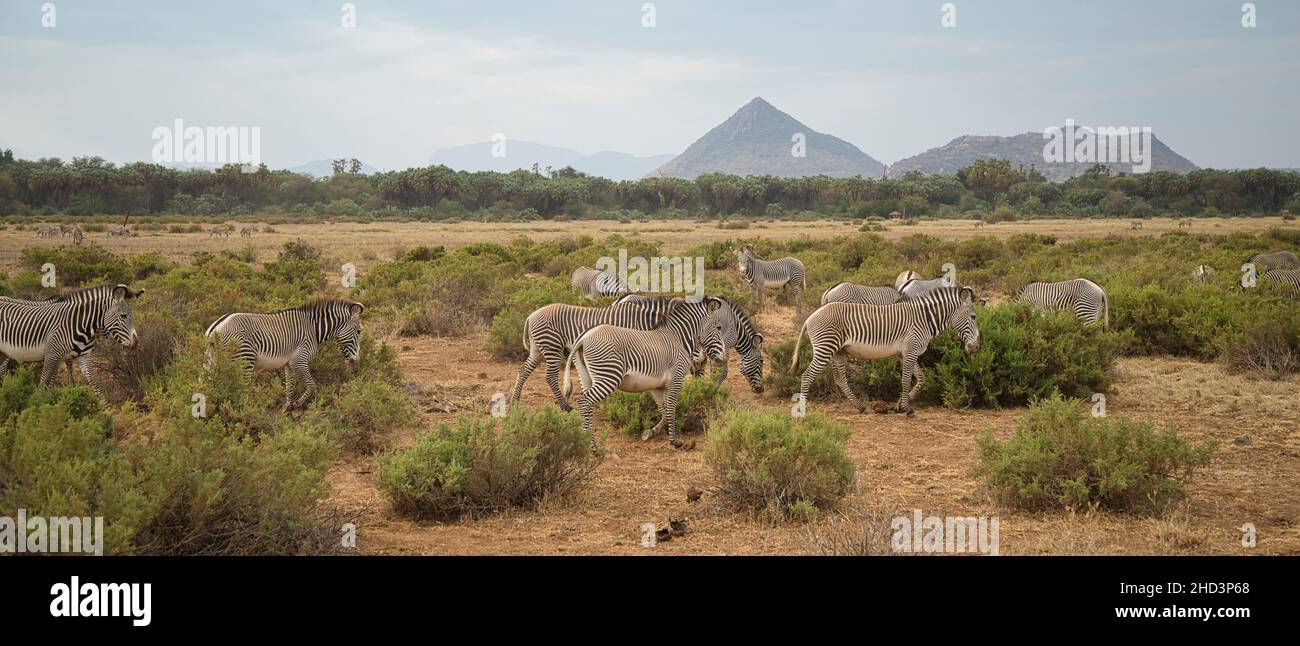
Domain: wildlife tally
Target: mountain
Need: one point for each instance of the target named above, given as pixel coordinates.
(619, 166)
(325, 168)
(523, 154)
(1023, 150)
(758, 140)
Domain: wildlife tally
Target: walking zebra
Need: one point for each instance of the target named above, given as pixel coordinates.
(861, 294)
(837, 331)
(739, 333)
(979, 224)
(1203, 274)
(1184, 222)
(761, 274)
(288, 340)
(1135, 224)
(904, 277)
(1082, 296)
(119, 230)
(1282, 259)
(610, 358)
(219, 232)
(916, 288)
(596, 284)
(47, 232)
(1285, 280)
(66, 328)
(246, 232)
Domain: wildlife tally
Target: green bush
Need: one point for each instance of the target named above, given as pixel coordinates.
(768, 463)
(359, 413)
(701, 399)
(77, 266)
(471, 468)
(1060, 456)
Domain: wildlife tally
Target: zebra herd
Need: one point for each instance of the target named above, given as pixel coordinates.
(65, 328)
(62, 231)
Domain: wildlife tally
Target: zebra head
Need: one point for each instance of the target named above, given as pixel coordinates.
(744, 256)
(119, 320)
(348, 331)
(751, 363)
(962, 319)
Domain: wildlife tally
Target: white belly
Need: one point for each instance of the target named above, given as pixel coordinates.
(868, 351)
(271, 363)
(774, 283)
(26, 355)
(636, 383)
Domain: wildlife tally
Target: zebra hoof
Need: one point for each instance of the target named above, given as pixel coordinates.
(910, 412)
(566, 408)
(650, 432)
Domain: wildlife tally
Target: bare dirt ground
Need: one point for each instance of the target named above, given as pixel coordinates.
(902, 463)
(364, 243)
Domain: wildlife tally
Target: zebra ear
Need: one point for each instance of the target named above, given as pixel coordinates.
(758, 338)
(356, 308)
(714, 304)
(121, 291)
(967, 294)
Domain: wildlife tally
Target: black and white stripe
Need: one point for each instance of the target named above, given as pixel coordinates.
(837, 331)
(1285, 280)
(1274, 259)
(289, 339)
(761, 274)
(739, 333)
(915, 288)
(861, 294)
(596, 284)
(1082, 296)
(66, 327)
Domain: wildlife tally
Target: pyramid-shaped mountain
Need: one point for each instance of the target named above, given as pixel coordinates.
(761, 140)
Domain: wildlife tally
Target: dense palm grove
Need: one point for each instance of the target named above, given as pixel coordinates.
(988, 189)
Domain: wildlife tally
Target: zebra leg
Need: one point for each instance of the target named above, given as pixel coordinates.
(668, 410)
(658, 395)
(587, 401)
(530, 364)
(71, 381)
(721, 373)
(820, 357)
(838, 365)
(911, 370)
(288, 390)
(553, 363)
(299, 363)
(83, 362)
(5, 364)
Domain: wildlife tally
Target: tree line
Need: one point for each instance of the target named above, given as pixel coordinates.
(990, 189)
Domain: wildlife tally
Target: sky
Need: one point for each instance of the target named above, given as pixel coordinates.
(413, 77)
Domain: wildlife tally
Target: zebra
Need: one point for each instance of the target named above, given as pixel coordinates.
(77, 235)
(288, 340)
(739, 333)
(10, 299)
(916, 288)
(1203, 274)
(1184, 222)
(1286, 280)
(66, 327)
(1135, 224)
(837, 331)
(861, 294)
(219, 232)
(596, 284)
(66, 230)
(246, 232)
(47, 232)
(1085, 298)
(979, 224)
(119, 230)
(610, 358)
(761, 274)
(904, 277)
(1281, 259)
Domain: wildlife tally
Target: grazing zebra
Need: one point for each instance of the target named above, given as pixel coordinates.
(739, 332)
(596, 284)
(222, 231)
(246, 232)
(288, 339)
(1286, 280)
(47, 232)
(1082, 296)
(904, 277)
(761, 274)
(66, 327)
(916, 288)
(119, 230)
(1203, 274)
(77, 235)
(1280, 259)
(610, 358)
(66, 230)
(1135, 224)
(1184, 222)
(861, 294)
(979, 224)
(837, 331)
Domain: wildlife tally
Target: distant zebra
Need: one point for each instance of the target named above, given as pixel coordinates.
(739, 333)
(66, 327)
(1085, 298)
(861, 294)
(1285, 280)
(916, 288)
(595, 284)
(222, 231)
(77, 235)
(66, 230)
(1281, 259)
(1135, 224)
(119, 230)
(761, 274)
(837, 331)
(1203, 274)
(979, 224)
(610, 358)
(904, 277)
(1184, 222)
(47, 232)
(246, 232)
(289, 339)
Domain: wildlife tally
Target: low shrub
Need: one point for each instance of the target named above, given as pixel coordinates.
(771, 464)
(701, 399)
(472, 468)
(1060, 456)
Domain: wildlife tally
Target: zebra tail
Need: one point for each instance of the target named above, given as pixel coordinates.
(794, 356)
(216, 323)
(568, 361)
(1105, 309)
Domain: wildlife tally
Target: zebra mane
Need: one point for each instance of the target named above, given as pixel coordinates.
(92, 291)
(320, 305)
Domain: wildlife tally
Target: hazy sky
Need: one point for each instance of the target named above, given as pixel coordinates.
(413, 77)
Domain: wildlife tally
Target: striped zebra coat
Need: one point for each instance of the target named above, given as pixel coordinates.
(1279, 259)
(66, 327)
(1085, 298)
(738, 333)
(1286, 281)
(861, 294)
(288, 340)
(761, 274)
(595, 284)
(837, 331)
